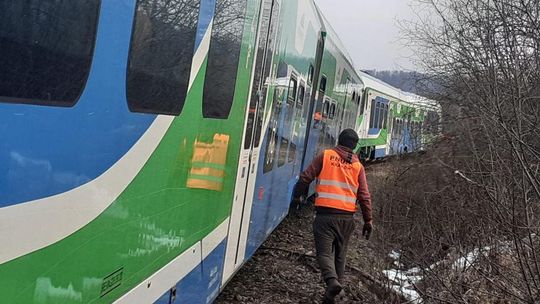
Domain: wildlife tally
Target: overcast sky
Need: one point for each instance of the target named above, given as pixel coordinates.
(369, 29)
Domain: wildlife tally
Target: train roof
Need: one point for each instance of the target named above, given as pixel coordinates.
(381, 86)
(410, 98)
(422, 101)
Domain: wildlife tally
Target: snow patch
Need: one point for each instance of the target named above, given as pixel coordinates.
(403, 281)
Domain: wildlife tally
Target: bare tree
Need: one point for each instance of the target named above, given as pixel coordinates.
(484, 56)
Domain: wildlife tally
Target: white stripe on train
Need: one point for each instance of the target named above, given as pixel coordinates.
(61, 215)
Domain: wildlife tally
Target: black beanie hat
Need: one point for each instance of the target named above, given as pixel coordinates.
(348, 138)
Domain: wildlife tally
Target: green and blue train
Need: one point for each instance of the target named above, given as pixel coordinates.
(149, 147)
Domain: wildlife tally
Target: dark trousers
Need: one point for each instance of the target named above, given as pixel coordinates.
(332, 234)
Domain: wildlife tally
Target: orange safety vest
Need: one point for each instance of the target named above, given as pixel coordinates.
(338, 183)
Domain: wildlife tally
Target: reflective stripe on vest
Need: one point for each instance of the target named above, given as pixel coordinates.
(325, 182)
(338, 183)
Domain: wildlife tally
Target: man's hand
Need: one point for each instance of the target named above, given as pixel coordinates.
(298, 200)
(295, 203)
(366, 231)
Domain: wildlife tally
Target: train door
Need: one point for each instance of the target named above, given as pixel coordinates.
(343, 121)
(300, 124)
(314, 117)
(247, 168)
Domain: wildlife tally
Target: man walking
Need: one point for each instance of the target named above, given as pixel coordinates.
(341, 183)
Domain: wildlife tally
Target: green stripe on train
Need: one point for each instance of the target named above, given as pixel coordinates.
(154, 220)
(382, 139)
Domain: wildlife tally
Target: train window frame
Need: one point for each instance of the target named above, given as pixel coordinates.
(301, 96)
(307, 102)
(383, 115)
(152, 104)
(377, 115)
(218, 103)
(385, 122)
(45, 98)
(372, 114)
(325, 108)
(292, 90)
(332, 110)
(311, 73)
(268, 59)
(270, 151)
(282, 154)
(291, 155)
(362, 103)
(323, 83)
(356, 112)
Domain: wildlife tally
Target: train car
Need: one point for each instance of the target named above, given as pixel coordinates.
(394, 122)
(121, 124)
(149, 147)
(428, 128)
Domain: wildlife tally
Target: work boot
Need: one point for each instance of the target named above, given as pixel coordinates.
(333, 288)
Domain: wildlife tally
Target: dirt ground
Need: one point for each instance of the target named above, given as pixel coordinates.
(284, 269)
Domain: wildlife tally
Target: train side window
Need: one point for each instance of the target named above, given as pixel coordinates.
(322, 86)
(378, 115)
(385, 122)
(372, 120)
(311, 72)
(271, 148)
(46, 50)
(383, 115)
(270, 14)
(258, 91)
(291, 94)
(160, 56)
(301, 96)
(292, 152)
(307, 101)
(332, 112)
(351, 119)
(272, 143)
(362, 102)
(326, 108)
(223, 58)
(283, 147)
(320, 101)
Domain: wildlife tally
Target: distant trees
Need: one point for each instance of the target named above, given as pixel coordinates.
(484, 56)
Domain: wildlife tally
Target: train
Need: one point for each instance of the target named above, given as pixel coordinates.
(149, 147)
